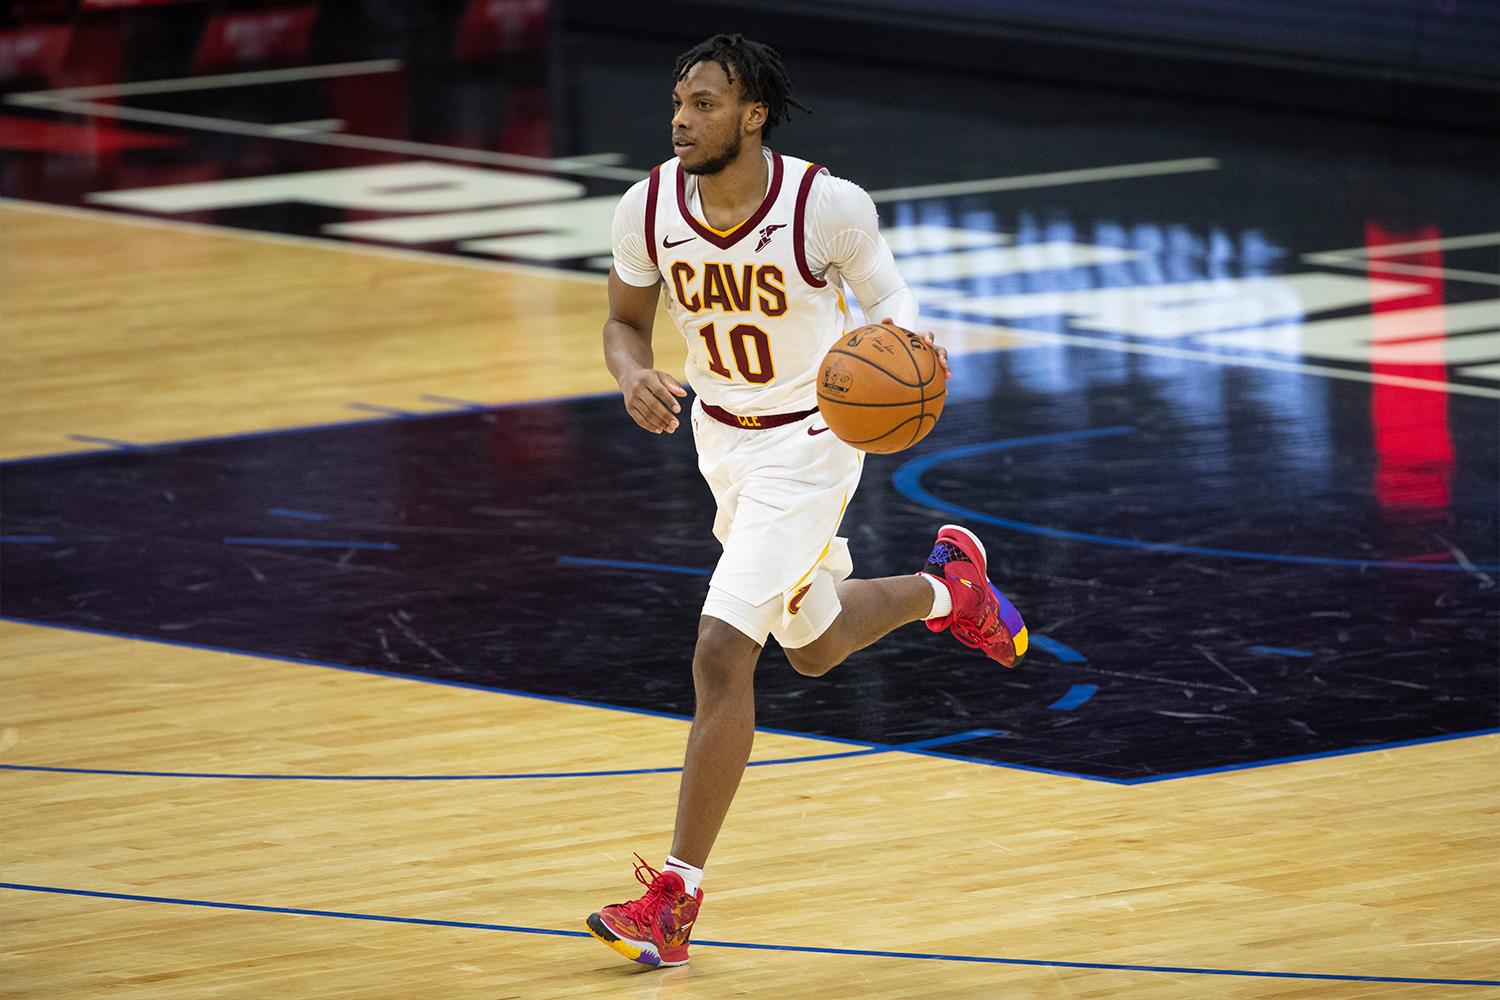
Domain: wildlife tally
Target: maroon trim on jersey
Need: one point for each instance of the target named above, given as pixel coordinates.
(799, 226)
(652, 187)
(738, 232)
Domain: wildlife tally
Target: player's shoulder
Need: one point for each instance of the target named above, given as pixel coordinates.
(634, 197)
(633, 202)
(839, 187)
(838, 202)
(823, 179)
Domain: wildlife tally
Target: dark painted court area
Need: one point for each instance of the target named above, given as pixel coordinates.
(459, 548)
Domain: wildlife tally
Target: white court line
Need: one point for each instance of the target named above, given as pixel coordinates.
(1364, 258)
(1418, 246)
(1054, 178)
(1214, 357)
(249, 79)
(316, 125)
(404, 147)
(284, 239)
(1417, 270)
(74, 101)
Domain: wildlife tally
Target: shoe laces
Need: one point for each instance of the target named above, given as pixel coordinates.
(944, 553)
(659, 893)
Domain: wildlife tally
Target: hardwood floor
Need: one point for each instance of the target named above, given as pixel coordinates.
(1375, 864)
(108, 332)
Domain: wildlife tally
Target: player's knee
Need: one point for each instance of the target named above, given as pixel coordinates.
(724, 658)
(812, 661)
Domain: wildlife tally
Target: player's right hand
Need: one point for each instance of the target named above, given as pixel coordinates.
(648, 397)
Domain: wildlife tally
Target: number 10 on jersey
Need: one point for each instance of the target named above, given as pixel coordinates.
(761, 373)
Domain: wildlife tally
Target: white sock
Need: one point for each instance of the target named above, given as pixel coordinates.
(690, 876)
(942, 601)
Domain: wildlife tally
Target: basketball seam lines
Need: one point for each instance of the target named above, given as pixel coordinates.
(892, 375)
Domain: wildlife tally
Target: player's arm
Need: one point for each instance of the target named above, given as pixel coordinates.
(847, 229)
(627, 351)
(634, 286)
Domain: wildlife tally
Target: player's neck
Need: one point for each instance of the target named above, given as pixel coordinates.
(732, 195)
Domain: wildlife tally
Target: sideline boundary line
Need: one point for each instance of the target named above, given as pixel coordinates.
(1052, 178)
(82, 101)
(803, 949)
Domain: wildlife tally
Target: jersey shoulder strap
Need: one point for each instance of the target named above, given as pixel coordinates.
(653, 189)
(799, 224)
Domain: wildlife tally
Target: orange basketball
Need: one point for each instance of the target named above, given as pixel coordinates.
(881, 388)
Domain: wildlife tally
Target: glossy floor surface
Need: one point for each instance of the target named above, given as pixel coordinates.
(303, 372)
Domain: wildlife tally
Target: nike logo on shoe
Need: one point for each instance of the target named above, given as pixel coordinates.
(815, 431)
(669, 244)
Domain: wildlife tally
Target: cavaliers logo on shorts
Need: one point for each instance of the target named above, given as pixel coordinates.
(795, 604)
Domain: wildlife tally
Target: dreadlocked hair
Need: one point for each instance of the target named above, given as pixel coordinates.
(758, 69)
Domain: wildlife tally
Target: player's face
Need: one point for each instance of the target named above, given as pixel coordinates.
(709, 119)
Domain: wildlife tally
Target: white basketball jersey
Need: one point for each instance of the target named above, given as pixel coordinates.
(757, 321)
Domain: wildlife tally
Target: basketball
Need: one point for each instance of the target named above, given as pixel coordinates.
(881, 388)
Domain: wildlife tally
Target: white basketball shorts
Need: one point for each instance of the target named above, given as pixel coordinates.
(781, 493)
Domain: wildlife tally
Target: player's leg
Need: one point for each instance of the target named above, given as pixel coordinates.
(952, 591)
(870, 610)
(719, 743)
(655, 929)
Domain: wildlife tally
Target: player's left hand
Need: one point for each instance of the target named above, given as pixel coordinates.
(930, 340)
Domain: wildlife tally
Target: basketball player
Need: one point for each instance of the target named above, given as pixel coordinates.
(751, 249)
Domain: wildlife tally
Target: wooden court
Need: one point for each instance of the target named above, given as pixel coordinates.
(886, 875)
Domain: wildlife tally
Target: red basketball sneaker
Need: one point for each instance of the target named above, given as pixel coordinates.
(981, 616)
(654, 929)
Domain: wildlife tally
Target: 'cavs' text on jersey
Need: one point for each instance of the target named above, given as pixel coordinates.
(722, 289)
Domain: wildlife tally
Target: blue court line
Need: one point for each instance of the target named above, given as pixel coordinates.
(620, 564)
(870, 750)
(1058, 650)
(313, 543)
(1313, 756)
(1077, 695)
(745, 945)
(907, 481)
(466, 404)
(112, 442)
(275, 657)
(21, 539)
(300, 514)
(1277, 651)
(1222, 769)
(389, 411)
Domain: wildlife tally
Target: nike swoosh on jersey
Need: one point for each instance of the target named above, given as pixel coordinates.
(669, 244)
(814, 431)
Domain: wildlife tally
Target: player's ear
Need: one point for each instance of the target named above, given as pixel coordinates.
(755, 117)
